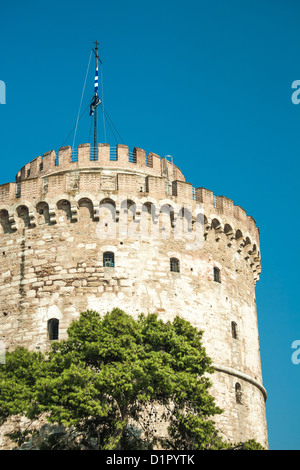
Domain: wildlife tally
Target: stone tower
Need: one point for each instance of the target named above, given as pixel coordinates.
(126, 230)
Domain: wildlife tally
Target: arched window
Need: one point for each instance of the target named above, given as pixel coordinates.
(108, 259)
(53, 327)
(174, 265)
(234, 329)
(217, 275)
(238, 393)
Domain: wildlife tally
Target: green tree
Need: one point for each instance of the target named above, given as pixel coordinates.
(108, 380)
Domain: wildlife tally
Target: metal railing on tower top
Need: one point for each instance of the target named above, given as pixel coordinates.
(113, 156)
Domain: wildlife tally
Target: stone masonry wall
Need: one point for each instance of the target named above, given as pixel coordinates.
(55, 228)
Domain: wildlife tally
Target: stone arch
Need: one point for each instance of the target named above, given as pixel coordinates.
(166, 220)
(238, 235)
(247, 248)
(149, 208)
(247, 241)
(229, 232)
(43, 213)
(53, 312)
(107, 200)
(85, 210)
(217, 227)
(254, 250)
(149, 199)
(5, 225)
(23, 216)
(184, 221)
(107, 209)
(176, 207)
(148, 218)
(129, 207)
(107, 217)
(216, 224)
(64, 211)
(129, 217)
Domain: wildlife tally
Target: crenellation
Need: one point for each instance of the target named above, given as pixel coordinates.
(49, 162)
(154, 161)
(252, 227)
(103, 154)
(68, 159)
(240, 213)
(182, 190)
(65, 157)
(204, 196)
(35, 167)
(86, 175)
(7, 193)
(224, 205)
(123, 155)
(140, 157)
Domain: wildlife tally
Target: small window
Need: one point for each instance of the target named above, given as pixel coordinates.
(53, 326)
(234, 329)
(217, 275)
(238, 393)
(108, 259)
(174, 265)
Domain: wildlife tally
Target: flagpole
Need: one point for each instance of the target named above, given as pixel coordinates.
(95, 122)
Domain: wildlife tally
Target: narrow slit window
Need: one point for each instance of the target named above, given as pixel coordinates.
(108, 259)
(53, 328)
(217, 275)
(234, 329)
(174, 265)
(238, 393)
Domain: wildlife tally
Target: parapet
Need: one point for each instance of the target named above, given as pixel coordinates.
(105, 156)
(113, 170)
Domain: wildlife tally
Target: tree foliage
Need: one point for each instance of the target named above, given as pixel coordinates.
(115, 382)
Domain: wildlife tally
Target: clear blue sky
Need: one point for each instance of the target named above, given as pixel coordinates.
(207, 81)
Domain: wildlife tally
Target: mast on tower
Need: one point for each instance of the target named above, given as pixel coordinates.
(95, 101)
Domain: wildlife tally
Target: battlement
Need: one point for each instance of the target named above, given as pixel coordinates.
(116, 170)
(105, 156)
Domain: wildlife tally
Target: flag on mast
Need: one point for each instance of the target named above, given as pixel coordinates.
(96, 81)
(95, 100)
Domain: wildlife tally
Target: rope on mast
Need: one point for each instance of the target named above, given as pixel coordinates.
(75, 124)
(81, 99)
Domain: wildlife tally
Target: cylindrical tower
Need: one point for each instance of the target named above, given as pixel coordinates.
(126, 230)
